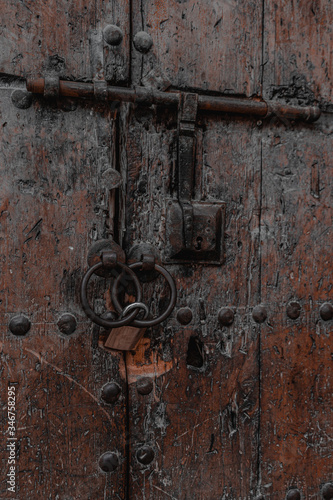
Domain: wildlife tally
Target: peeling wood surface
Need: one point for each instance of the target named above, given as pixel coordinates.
(201, 419)
(54, 37)
(234, 411)
(51, 209)
(296, 236)
(204, 45)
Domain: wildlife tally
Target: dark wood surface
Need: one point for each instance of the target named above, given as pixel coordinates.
(235, 411)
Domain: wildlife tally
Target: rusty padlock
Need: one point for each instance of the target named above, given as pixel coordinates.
(126, 338)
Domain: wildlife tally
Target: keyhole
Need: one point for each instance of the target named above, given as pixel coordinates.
(199, 242)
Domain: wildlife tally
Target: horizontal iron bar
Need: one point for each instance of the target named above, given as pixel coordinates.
(205, 102)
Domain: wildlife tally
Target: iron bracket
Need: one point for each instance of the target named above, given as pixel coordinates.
(194, 228)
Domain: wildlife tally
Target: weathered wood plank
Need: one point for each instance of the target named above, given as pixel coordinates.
(296, 242)
(52, 207)
(201, 417)
(40, 37)
(205, 45)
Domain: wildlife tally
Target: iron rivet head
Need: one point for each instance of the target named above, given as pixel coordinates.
(113, 35)
(144, 385)
(19, 325)
(226, 317)
(293, 310)
(145, 455)
(67, 324)
(142, 42)
(108, 462)
(110, 392)
(184, 315)
(327, 491)
(21, 99)
(293, 494)
(326, 311)
(259, 314)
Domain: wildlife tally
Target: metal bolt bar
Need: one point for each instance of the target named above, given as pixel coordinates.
(205, 103)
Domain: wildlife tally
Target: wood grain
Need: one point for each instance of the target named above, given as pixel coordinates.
(200, 420)
(205, 45)
(52, 209)
(40, 37)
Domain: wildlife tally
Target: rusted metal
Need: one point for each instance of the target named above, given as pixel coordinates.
(126, 338)
(327, 491)
(21, 99)
(145, 455)
(113, 35)
(184, 315)
(259, 314)
(221, 104)
(142, 42)
(109, 462)
(144, 385)
(226, 316)
(293, 494)
(294, 310)
(67, 324)
(19, 325)
(51, 86)
(83, 293)
(110, 392)
(326, 311)
(147, 323)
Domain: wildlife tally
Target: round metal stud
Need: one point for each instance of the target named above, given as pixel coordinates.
(144, 385)
(110, 392)
(21, 99)
(294, 310)
(67, 324)
(293, 494)
(226, 317)
(184, 315)
(19, 325)
(113, 35)
(259, 314)
(108, 462)
(142, 42)
(145, 455)
(326, 311)
(327, 491)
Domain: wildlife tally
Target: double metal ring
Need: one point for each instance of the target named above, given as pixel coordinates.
(149, 322)
(92, 315)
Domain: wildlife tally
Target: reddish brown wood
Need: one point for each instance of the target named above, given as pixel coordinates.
(55, 37)
(51, 210)
(201, 421)
(208, 45)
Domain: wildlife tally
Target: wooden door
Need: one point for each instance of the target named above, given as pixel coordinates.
(231, 396)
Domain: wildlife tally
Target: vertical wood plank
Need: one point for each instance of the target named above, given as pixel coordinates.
(201, 417)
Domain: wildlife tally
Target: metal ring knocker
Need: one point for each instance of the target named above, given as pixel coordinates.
(109, 260)
(135, 305)
(150, 322)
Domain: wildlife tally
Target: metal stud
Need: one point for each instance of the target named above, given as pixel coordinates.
(326, 311)
(145, 455)
(19, 325)
(108, 462)
(67, 324)
(293, 494)
(144, 385)
(259, 314)
(226, 317)
(110, 392)
(293, 310)
(113, 35)
(184, 315)
(327, 491)
(143, 42)
(21, 99)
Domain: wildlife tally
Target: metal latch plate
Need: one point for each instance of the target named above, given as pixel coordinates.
(207, 235)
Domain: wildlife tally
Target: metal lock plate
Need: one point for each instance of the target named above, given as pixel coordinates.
(207, 233)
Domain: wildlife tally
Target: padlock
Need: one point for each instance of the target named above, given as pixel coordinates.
(126, 338)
